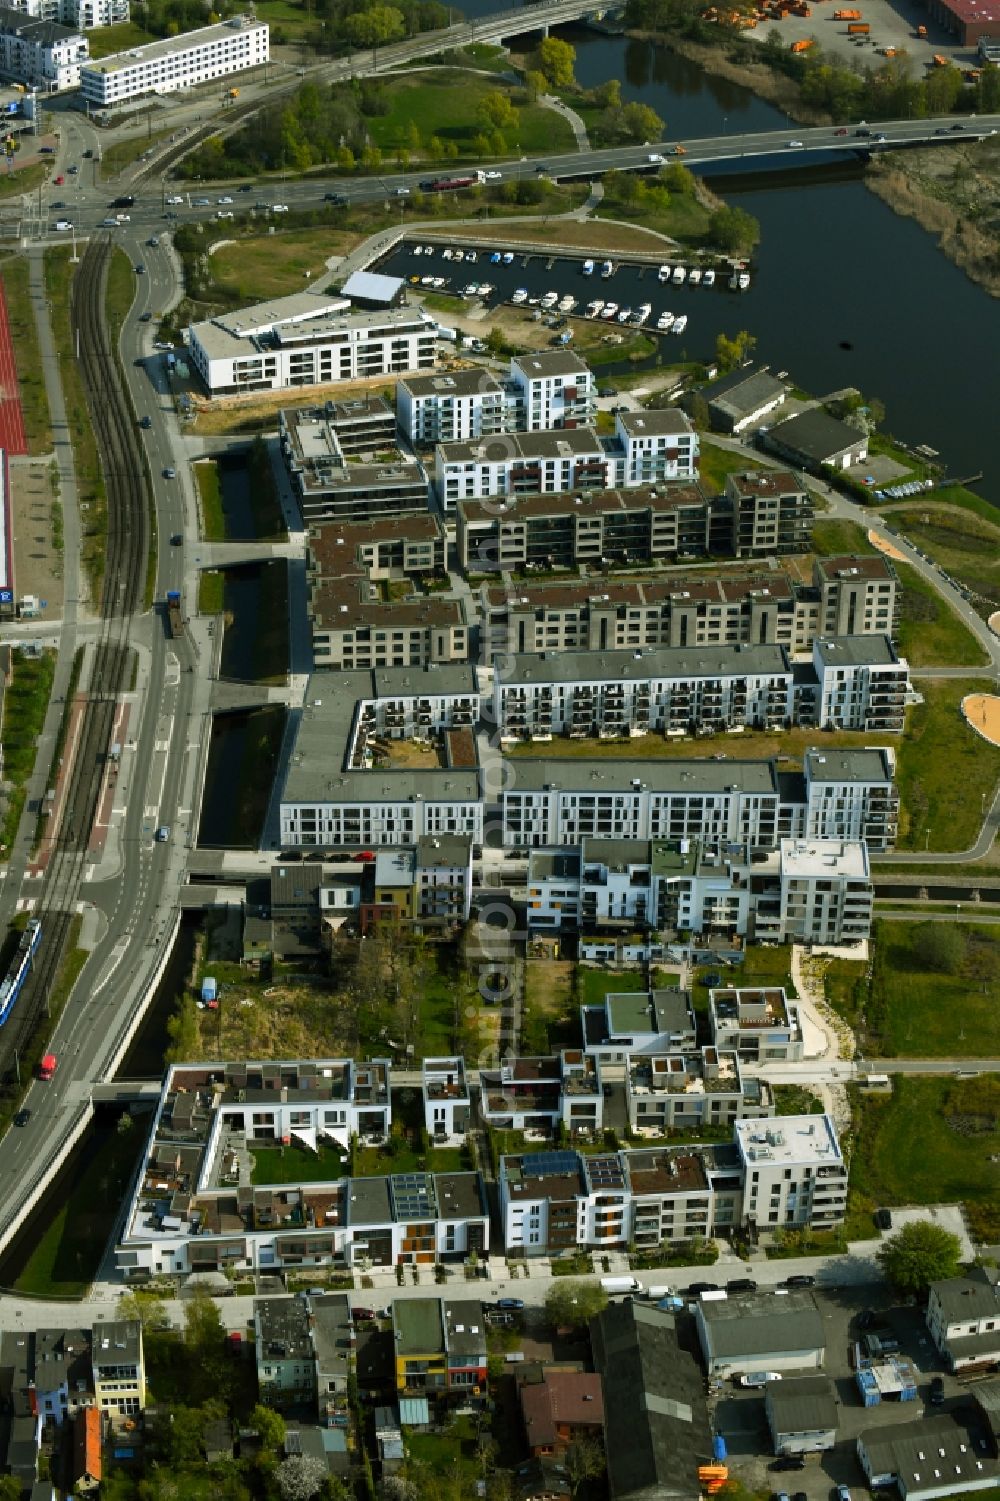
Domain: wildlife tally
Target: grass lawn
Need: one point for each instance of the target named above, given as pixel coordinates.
(24, 706)
(213, 521)
(120, 292)
(929, 1014)
(108, 39)
(845, 987)
(943, 770)
(445, 103)
(375, 1162)
(24, 338)
(258, 266)
(832, 537)
(294, 1164)
(715, 463)
(929, 632)
(796, 1099)
(550, 1018)
(595, 984)
(767, 966)
(211, 590)
(930, 1142)
(750, 746)
(24, 181)
(124, 153)
(684, 219)
(966, 544)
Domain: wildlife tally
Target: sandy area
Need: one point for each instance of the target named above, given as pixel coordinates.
(883, 545)
(994, 622)
(38, 565)
(982, 712)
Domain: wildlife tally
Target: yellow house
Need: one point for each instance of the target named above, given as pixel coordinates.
(119, 1367)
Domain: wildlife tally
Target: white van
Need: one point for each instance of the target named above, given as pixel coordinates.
(63, 224)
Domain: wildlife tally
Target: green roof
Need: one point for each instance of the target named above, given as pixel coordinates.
(417, 1326)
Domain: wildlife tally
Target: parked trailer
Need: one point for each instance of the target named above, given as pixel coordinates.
(847, 15)
(20, 968)
(802, 45)
(863, 30)
(174, 613)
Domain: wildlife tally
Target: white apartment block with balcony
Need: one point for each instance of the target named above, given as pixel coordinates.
(41, 54)
(816, 891)
(82, 15)
(447, 1102)
(531, 463)
(850, 795)
(862, 684)
(794, 1172)
(552, 389)
(658, 445)
(453, 406)
(649, 1022)
(406, 703)
(177, 63)
(760, 1024)
(537, 1095)
(687, 1091)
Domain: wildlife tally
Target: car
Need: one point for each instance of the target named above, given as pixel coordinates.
(494, 176)
(760, 1378)
(741, 1285)
(957, 126)
(175, 198)
(402, 192)
(22, 1117)
(73, 170)
(224, 213)
(60, 180)
(123, 218)
(153, 242)
(227, 199)
(145, 317)
(246, 187)
(795, 145)
(46, 151)
(841, 130)
(87, 155)
(339, 200)
(364, 1315)
(198, 202)
(881, 138)
(862, 132)
(799, 1496)
(937, 1391)
(109, 223)
(883, 1219)
(867, 1318)
(63, 225)
(146, 421)
(176, 540)
(843, 1493)
(541, 167)
(140, 269)
(510, 1305)
(942, 130)
(695, 1289)
(800, 1279)
(655, 159)
(170, 474)
(788, 1462)
(781, 1496)
(281, 208)
(163, 833)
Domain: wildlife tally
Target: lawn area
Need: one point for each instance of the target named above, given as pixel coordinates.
(120, 291)
(933, 1141)
(796, 1099)
(444, 103)
(124, 153)
(752, 745)
(107, 39)
(918, 1012)
(767, 966)
(400, 1157)
(929, 632)
(24, 338)
(295, 1164)
(680, 216)
(213, 522)
(257, 266)
(638, 347)
(832, 537)
(550, 1017)
(449, 1456)
(25, 180)
(944, 770)
(715, 463)
(24, 706)
(845, 987)
(966, 544)
(277, 1017)
(211, 591)
(595, 984)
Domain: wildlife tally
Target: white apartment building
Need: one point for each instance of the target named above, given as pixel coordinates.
(176, 63)
(687, 1091)
(454, 406)
(406, 703)
(851, 795)
(307, 340)
(794, 1172)
(649, 1022)
(760, 1024)
(81, 15)
(825, 893)
(537, 1095)
(862, 684)
(40, 54)
(447, 1102)
(658, 445)
(963, 1317)
(552, 389)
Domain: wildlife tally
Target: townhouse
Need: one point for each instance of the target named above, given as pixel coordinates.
(428, 885)
(304, 1352)
(647, 1022)
(544, 1094)
(440, 1346)
(559, 1408)
(794, 1173)
(176, 63)
(42, 55)
(847, 597)
(688, 1091)
(197, 1207)
(119, 1367)
(447, 1101)
(761, 1025)
(963, 1318)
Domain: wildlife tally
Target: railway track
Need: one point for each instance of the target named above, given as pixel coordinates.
(126, 489)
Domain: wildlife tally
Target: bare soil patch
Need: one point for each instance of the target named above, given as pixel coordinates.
(38, 545)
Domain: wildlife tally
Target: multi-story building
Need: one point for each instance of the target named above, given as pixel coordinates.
(196, 1206)
(403, 703)
(861, 683)
(447, 1102)
(847, 597)
(657, 445)
(823, 893)
(41, 54)
(541, 1094)
(177, 63)
(760, 1024)
(428, 884)
(439, 1346)
(850, 795)
(454, 406)
(771, 513)
(552, 389)
(307, 340)
(404, 547)
(963, 1318)
(344, 464)
(81, 15)
(352, 627)
(334, 1343)
(119, 1367)
(283, 1348)
(516, 464)
(687, 1091)
(649, 1022)
(794, 1173)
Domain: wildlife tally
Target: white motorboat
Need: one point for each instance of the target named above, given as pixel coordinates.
(593, 308)
(665, 273)
(446, 253)
(471, 290)
(520, 295)
(625, 315)
(678, 276)
(567, 304)
(459, 255)
(680, 324)
(507, 257)
(428, 250)
(472, 255)
(427, 281)
(744, 282)
(607, 269)
(694, 276)
(438, 281)
(485, 288)
(549, 301)
(708, 280)
(664, 321)
(588, 268)
(610, 309)
(642, 313)
(418, 250)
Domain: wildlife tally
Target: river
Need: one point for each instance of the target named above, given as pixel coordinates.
(845, 292)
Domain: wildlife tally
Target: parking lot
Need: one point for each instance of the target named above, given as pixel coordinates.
(739, 1415)
(892, 25)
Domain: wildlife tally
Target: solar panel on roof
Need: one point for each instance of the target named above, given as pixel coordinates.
(542, 1164)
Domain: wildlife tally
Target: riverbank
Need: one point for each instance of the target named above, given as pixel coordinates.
(762, 80)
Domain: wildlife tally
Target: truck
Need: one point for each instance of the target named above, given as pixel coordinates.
(449, 184)
(210, 993)
(658, 1291)
(48, 1066)
(126, 200)
(922, 33)
(859, 30)
(847, 15)
(616, 1285)
(802, 45)
(174, 616)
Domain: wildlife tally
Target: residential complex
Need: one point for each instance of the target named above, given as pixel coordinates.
(41, 54)
(760, 1025)
(687, 1091)
(439, 1346)
(177, 63)
(544, 391)
(544, 1095)
(345, 465)
(81, 15)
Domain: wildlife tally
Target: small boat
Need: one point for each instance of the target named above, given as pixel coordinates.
(594, 308)
(694, 276)
(642, 313)
(418, 250)
(446, 253)
(485, 288)
(678, 276)
(708, 280)
(567, 304)
(680, 324)
(744, 281)
(428, 250)
(625, 315)
(520, 295)
(610, 309)
(427, 281)
(507, 257)
(438, 281)
(549, 300)
(607, 270)
(471, 290)
(534, 301)
(665, 273)
(495, 258)
(459, 255)
(588, 268)
(664, 321)
(414, 281)
(472, 255)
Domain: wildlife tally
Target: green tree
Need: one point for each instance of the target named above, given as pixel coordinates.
(376, 27)
(148, 1308)
(536, 84)
(345, 159)
(919, 1254)
(571, 1305)
(942, 87)
(733, 229)
(269, 1425)
(371, 157)
(413, 137)
(939, 946)
(496, 110)
(299, 1477)
(642, 123)
(608, 95)
(557, 60)
(496, 341)
(10, 1489)
(584, 1460)
(732, 352)
(697, 410)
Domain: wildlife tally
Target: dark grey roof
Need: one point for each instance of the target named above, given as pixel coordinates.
(768, 1325)
(847, 765)
(331, 1333)
(711, 661)
(815, 435)
(933, 1456)
(14, 22)
(855, 651)
(753, 778)
(974, 1296)
(465, 1326)
(116, 1343)
(744, 392)
(656, 1428)
(284, 1329)
(803, 1405)
(987, 1397)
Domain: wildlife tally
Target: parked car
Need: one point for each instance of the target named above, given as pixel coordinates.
(843, 1493)
(494, 176)
(841, 130)
(788, 1462)
(364, 1315)
(513, 1305)
(339, 200)
(697, 1288)
(146, 421)
(800, 1279)
(867, 1319)
(145, 317)
(883, 1219)
(759, 1378)
(170, 474)
(937, 1391)
(22, 1117)
(741, 1285)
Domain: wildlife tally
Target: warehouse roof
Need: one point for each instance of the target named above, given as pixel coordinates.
(816, 436)
(748, 1328)
(804, 1404)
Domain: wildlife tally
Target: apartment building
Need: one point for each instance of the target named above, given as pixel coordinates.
(543, 1094)
(177, 63)
(552, 389)
(397, 548)
(659, 444)
(447, 1101)
(963, 1318)
(851, 795)
(861, 684)
(515, 464)
(428, 885)
(119, 1367)
(771, 513)
(42, 55)
(647, 1022)
(847, 597)
(352, 627)
(823, 893)
(80, 15)
(196, 1206)
(794, 1173)
(283, 1349)
(404, 703)
(439, 1346)
(307, 340)
(454, 406)
(344, 464)
(760, 1024)
(689, 1090)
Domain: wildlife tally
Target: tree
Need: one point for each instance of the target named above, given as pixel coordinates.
(536, 84)
(496, 110)
(557, 59)
(496, 341)
(148, 1308)
(571, 1304)
(919, 1254)
(10, 1489)
(376, 27)
(269, 1426)
(641, 123)
(732, 228)
(584, 1461)
(732, 352)
(939, 946)
(299, 1477)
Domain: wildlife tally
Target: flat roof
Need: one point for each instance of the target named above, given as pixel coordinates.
(762, 1325)
(465, 1326)
(344, 604)
(558, 443)
(825, 857)
(550, 362)
(710, 661)
(334, 544)
(872, 764)
(418, 1326)
(752, 778)
(852, 565)
(202, 36)
(649, 1011)
(789, 1139)
(669, 496)
(856, 651)
(451, 383)
(655, 423)
(373, 287)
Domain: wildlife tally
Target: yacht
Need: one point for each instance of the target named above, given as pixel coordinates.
(418, 250)
(428, 250)
(744, 281)
(678, 276)
(607, 270)
(665, 273)
(446, 253)
(485, 289)
(438, 281)
(495, 258)
(507, 257)
(680, 324)
(694, 276)
(594, 308)
(625, 315)
(642, 312)
(664, 321)
(471, 290)
(549, 301)
(567, 304)
(708, 280)
(609, 310)
(520, 295)
(427, 281)
(459, 255)
(588, 268)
